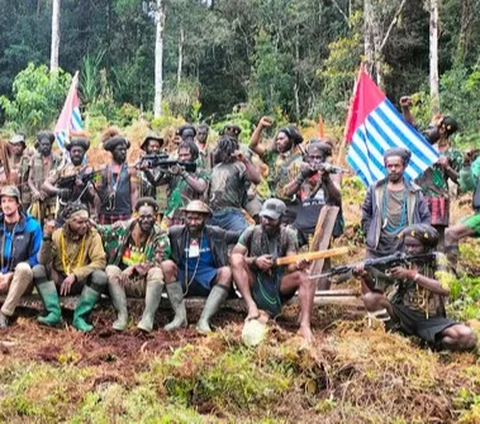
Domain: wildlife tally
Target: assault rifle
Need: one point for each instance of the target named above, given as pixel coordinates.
(329, 168)
(161, 160)
(69, 182)
(381, 264)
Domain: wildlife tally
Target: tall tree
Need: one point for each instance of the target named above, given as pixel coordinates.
(55, 35)
(159, 24)
(434, 84)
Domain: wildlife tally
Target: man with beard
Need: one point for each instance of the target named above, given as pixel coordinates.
(79, 191)
(230, 180)
(201, 253)
(183, 186)
(44, 206)
(72, 260)
(263, 284)
(391, 204)
(118, 188)
(136, 249)
(151, 145)
(204, 152)
(283, 161)
(416, 306)
(21, 239)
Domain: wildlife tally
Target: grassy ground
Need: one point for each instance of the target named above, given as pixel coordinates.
(353, 373)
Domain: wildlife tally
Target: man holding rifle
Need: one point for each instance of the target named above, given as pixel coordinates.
(416, 306)
(72, 183)
(264, 285)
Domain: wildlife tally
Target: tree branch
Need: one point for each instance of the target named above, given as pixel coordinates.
(342, 12)
(392, 24)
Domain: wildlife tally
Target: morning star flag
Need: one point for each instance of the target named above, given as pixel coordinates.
(373, 126)
(70, 119)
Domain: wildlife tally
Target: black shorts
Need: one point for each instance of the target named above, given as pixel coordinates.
(415, 323)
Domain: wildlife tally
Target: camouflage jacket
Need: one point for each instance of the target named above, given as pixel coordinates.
(115, 240)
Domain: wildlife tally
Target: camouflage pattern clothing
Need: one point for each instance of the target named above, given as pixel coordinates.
(117, 239)
(229, 186)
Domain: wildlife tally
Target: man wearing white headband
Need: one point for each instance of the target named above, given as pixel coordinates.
(78, 260)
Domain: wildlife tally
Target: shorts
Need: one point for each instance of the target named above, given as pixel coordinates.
(202, 281)
(266, 292)
(473, 223)
(439, 208)
(415, 323)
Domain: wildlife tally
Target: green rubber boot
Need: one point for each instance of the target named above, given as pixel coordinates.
(175, 295)
(217, 296)
(48, 293)
(87, 302)
(119, 300)
(153, 296)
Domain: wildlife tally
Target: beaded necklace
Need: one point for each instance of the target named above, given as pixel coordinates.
(67, 265)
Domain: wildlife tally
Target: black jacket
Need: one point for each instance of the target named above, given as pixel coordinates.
(218, 240)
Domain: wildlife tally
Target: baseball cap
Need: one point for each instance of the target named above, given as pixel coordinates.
(273, 208)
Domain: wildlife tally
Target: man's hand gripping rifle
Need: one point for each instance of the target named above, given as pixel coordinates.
(379, 264)
(161, 160)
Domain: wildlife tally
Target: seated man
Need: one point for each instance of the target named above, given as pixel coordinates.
(416, 306)
(201, 252)
(71, 260)
(21, 239)
(133, 268)
(264, 285)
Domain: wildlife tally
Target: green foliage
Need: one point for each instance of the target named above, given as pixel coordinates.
(38, 97)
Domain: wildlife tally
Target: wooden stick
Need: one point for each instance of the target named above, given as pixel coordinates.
(312, 256)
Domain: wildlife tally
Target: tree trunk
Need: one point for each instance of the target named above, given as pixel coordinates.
(368, 35)
(55, 35)
(468, 15)
(159, 22)
(434, 87)
(181, 40)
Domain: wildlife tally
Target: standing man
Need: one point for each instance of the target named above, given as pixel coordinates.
(391, 204)
(201, 253)
(136, 249)
(231, 177)
(417, 304)
(264, 285)
(21, 238)
(119, 185)
(151, 145)
(78, 190)
(72, 261)
(282, 159)
(44, 206)
(205, 154)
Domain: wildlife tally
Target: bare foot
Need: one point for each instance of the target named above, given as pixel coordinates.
(253, 313)
(306, 333)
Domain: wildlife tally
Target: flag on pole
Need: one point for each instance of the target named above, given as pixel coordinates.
(375, 125)
(70, 119)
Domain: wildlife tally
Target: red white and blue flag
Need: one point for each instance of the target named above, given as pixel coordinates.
(70, 119)
(375, 125)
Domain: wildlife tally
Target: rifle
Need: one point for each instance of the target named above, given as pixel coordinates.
(330, 169)
(311, 256)
(380, 264)
(161, 160)
(69, 182)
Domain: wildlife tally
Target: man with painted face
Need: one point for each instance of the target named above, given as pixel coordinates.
(119, 185)
(44, 206)
(416, 306)
(201, 254)
(391, 204)
(283, 161)
(79, 191)
(136, 252)
(71, 260)
(21, 237)
(263, 284)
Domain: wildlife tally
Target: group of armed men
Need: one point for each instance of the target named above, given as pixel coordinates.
(207, 220)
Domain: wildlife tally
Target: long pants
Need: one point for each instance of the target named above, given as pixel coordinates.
(134, 287)
(97, 280)
(21, 281)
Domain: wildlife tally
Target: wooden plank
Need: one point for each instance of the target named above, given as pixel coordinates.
(321, 238)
